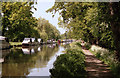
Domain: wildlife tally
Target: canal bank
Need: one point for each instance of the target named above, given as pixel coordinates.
(71, 64)
(19, 44)
(34, 61)
(89, 66)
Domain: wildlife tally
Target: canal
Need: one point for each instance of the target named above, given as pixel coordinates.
(30, 61)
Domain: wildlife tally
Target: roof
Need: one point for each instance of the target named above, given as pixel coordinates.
(2, 38)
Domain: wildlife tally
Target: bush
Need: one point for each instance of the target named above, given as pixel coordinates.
(69, 65)
(79, 44)
(87, 46)
(98, 55)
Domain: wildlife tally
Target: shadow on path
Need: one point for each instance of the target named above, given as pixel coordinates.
(95, 68)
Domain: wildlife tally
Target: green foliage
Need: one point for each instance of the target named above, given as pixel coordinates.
(17, 20)
(78, 44)
(15, 43)
(69, 65)
(87, 46)
(98, 54)
(85, 21)
(47, 30)
(18, 23)
(94, 22)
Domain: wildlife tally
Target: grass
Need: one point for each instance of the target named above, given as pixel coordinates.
(15, 43)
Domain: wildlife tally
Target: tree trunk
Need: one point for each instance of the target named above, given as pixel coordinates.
(115, 25)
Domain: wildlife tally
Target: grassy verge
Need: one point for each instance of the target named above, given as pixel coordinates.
(15, 43)
(70, 65)
(107, 57)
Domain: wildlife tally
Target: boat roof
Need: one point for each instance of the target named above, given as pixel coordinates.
(2, 38)
(26, 38)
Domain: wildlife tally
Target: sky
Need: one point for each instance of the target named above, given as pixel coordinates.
(42, 6)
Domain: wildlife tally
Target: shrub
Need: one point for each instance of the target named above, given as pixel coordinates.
(69, 65)
(78, 44)
(87, 46)
(98, 54)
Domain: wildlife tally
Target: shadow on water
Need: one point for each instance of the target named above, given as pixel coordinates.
(31, 61)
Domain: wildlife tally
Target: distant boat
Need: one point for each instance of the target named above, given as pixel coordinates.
(26, 42)
(39, 40)
(1, 60)
(31, 42)
(4, 42)
(51, 41)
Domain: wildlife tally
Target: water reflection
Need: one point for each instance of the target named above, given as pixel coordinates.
(31, 61)
(30, 50)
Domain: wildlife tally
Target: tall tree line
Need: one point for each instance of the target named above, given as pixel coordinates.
(94, 22)
(18, 22)
(47, 30)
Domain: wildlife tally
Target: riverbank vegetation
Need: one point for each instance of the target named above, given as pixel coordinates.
(15, 43)
(93, 22)
(47, 30)
(17, 20)
(71, 64)
(105, 55)
(18, 23)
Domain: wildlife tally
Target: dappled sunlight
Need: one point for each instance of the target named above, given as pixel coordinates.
(60, 39)
(95, 67)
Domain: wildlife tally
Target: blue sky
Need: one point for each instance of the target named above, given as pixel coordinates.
(42, 6)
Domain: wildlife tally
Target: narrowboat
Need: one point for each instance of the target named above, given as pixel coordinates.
(4, 43)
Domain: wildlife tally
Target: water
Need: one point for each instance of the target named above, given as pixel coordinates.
(32, 61)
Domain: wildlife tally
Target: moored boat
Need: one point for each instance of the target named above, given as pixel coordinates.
(26, 42)
(30, 42)
(4, 43)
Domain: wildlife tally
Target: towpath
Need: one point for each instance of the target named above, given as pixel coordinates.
(95, 68)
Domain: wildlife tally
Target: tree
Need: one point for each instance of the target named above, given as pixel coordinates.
(115, 24)
(96, 23)
(47, 30)
(17, 21)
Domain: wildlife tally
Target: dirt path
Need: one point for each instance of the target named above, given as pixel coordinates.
(95, 68)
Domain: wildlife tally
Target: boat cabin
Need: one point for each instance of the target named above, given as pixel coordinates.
(4, 42)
